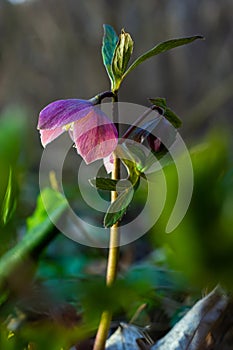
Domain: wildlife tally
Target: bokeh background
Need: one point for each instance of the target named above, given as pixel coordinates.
(51, 49)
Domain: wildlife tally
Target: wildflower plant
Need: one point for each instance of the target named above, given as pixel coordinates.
(95, 136)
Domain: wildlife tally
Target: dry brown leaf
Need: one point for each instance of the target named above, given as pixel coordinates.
(191, 331)
(125, 338)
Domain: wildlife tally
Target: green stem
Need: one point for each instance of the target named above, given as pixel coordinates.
(112, 264)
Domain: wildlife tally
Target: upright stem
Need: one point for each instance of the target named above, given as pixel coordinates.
(112, 264)
(114, 230)
(114, 235)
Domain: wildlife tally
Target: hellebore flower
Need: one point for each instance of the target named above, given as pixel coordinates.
(94, 135)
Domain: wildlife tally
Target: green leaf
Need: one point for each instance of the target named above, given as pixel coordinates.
(118, 208)
(109, 184)
(159, 102)
(12, 138)
(9, 201)
(134, 173)
(122, 54)
(172, 118)
(49, 203)
(128, 159)
(137, 151)
(162, 47)
(167, 112)
(103, 183)
(110, 40)
(17, 261)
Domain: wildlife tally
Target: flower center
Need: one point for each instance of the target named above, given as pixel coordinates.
(68, 127)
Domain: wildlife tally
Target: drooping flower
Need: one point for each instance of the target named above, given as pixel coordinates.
(94, 135)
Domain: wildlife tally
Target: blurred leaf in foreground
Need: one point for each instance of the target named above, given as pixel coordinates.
(202, 245)
(16, 264)
(8, 204)
(12, 134)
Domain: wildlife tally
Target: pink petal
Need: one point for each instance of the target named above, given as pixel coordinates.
(108, 163)
(154, 143)
(62, 112)
(46, 136)
(95, 136)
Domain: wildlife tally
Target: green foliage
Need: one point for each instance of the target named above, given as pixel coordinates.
(116, 53)
(141, 283)
(162, 47)
(12, 134)
(8, 205)
(167, 112)
(50, 203)
(39, 234)
(160, 279)
(139, 156)
(110, 40)
(118, 208)
(107, 184)
(122, 54)
(19, 340)
(202, 245)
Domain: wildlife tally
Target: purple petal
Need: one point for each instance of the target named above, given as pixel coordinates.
(62, 112)
(154, 143)
(46, 136)
(95, 136)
